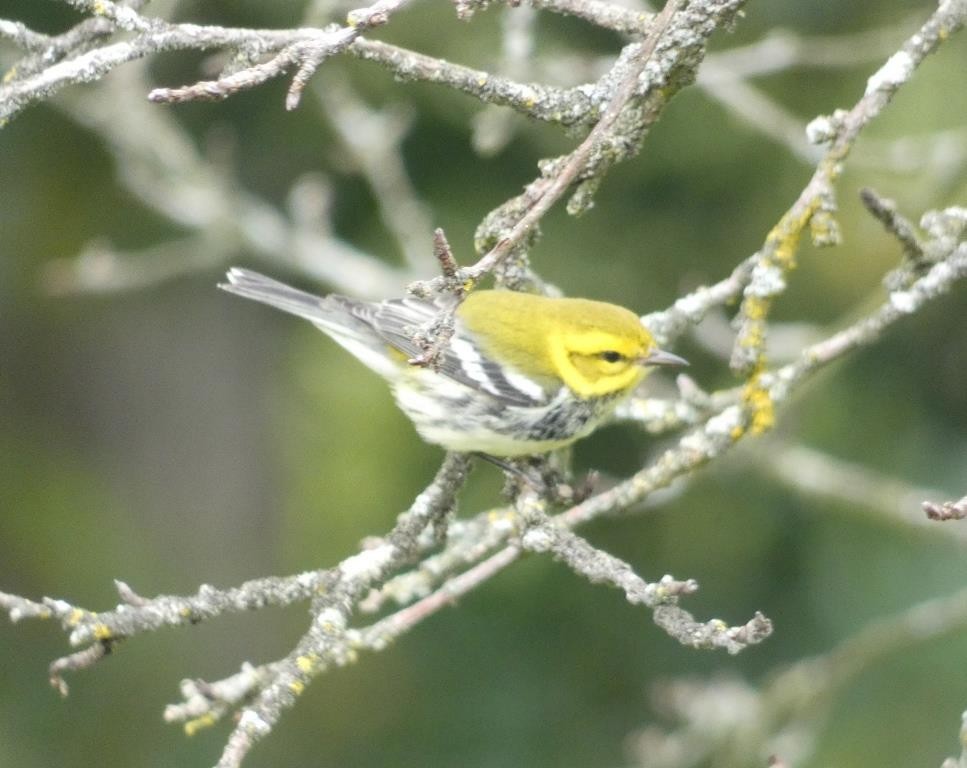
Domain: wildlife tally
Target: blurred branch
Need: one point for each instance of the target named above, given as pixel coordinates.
(961, 760)
(159, 163)
(729, 721)
(814, 472)
(23, 37)
(606, 15)
(760, 112)
(940, 154)
(782, 50)
(493, 128)
(948, 510)
(99, 268)
(374, 140)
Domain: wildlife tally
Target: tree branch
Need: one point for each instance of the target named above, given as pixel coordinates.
(816, 204)
(451, 558)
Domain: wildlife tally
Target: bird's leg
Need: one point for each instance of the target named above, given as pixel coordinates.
(515, 476)
(556, 480)
(544, 475)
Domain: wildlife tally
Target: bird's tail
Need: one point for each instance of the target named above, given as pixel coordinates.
(252, 285)
(333, 315)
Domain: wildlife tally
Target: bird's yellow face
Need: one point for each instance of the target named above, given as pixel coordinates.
(597, 362)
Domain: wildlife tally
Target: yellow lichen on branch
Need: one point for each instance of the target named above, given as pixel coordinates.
(199, 723)
(758, 404)
(776, 259)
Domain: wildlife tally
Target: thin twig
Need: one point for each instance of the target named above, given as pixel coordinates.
(577, 160)
(948, 510)
(885, 211)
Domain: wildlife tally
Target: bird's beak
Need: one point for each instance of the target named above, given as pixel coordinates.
(660, 357)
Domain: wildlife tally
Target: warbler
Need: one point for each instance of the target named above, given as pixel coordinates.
(521, 375)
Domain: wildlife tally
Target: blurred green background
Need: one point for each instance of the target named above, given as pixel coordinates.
(175, 435)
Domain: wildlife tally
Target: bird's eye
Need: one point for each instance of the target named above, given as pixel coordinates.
(611, 356)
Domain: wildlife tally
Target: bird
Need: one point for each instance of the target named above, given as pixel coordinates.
(521, 375)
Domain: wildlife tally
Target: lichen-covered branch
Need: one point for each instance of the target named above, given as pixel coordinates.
(338, 586)
(721, 429)
(543, 534)
(22, 36)
(337, 591)
(304, 49)
(643, 79)
(816, 204)
(564, 106)
(428, 559)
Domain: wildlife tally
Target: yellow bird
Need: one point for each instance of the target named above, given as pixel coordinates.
(521, 375)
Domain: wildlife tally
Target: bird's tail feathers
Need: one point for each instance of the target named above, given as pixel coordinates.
(332, 314)
(253, 285)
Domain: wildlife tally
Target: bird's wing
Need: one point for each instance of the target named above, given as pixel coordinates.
(399, 321)
(366, 329)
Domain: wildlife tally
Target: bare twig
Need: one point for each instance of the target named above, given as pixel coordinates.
(948, 510)
(229, 85)
(575, 163)
(885, 211)
(77, 661)
(20, 608)
(543, 534)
